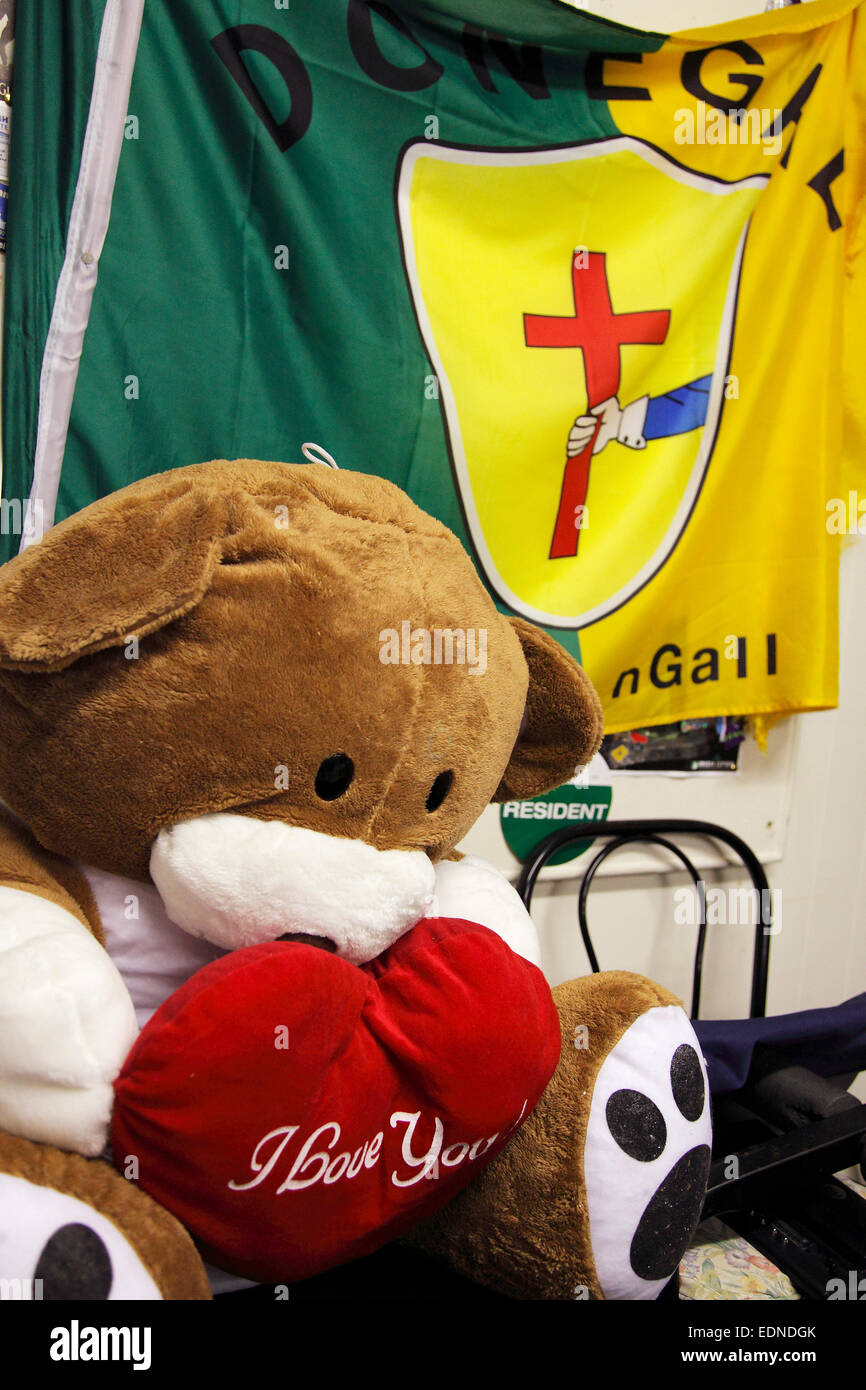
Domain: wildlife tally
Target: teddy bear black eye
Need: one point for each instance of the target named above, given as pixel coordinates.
(334, 776)
(439, 790)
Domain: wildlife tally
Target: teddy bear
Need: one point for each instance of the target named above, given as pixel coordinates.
(252, 996)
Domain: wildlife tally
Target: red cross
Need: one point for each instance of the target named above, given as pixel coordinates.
(599, 333)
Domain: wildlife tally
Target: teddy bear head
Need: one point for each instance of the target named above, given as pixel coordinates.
(243, 670)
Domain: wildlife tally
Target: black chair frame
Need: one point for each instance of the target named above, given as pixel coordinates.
(630, 832)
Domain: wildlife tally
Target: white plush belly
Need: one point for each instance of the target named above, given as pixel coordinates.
(153, 955)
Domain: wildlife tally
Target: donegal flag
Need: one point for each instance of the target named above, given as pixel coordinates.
(593, 297)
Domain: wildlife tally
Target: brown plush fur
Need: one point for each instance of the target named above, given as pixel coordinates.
(259, 592)
(24, 865)
(522, 1226)
(161, 1243)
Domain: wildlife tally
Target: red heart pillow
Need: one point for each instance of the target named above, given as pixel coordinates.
(295, 1111)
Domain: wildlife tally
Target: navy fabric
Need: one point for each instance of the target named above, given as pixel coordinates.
(829, 1041)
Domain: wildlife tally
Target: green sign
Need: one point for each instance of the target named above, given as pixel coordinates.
(526, 823)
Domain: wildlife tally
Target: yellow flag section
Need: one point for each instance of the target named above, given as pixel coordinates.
(646, 347)
(519, 322)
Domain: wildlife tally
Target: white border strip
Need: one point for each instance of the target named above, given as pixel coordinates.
(88, 224)
(422, 149)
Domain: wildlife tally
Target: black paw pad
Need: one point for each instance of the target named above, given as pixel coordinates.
(687, 1082)
(671, 1216)
(647, 1153)
(637, 1125)
(74, 1264)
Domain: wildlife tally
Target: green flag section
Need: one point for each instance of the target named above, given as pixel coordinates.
(578, 289)
(526, 823)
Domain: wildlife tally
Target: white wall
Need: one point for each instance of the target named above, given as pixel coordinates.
(667, 16)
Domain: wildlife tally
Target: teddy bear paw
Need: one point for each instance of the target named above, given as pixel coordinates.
(647, 1154)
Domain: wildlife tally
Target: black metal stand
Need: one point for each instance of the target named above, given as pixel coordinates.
(629, 832)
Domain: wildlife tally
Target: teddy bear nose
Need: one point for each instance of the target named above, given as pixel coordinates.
(308, 939)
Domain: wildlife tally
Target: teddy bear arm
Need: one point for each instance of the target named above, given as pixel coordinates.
(26, 866)
(470, 888)
(66, 1018)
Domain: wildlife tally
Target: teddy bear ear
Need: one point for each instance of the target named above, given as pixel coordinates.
(562, 722)
(126, 565)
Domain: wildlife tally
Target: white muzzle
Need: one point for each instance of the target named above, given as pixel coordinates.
(237, 881)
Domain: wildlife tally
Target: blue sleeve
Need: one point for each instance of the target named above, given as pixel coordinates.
(828, 1041)
(679, 411)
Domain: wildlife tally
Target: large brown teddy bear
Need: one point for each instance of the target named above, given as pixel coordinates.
(249, 710)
